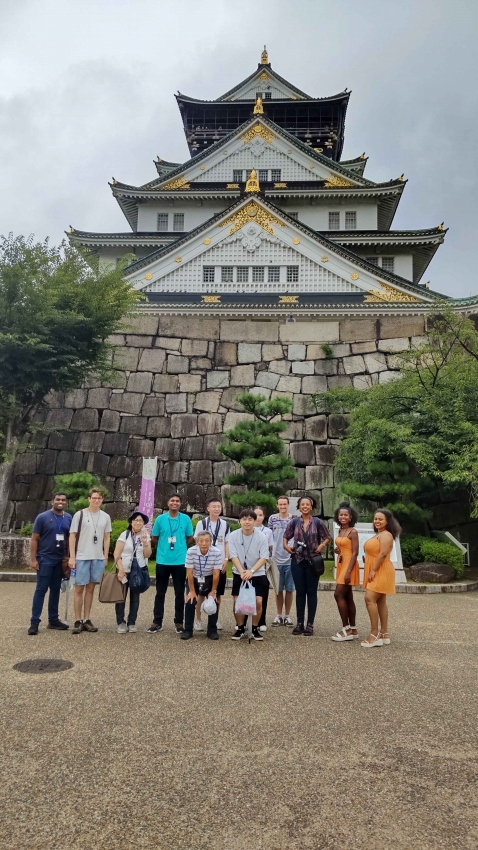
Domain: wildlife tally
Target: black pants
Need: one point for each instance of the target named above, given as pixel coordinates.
(133, 606)
(306, 587)
(262, 621)
(189, 608)
(163, 571)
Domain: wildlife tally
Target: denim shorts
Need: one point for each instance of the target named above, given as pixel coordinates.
(89, 571)
(286, 581)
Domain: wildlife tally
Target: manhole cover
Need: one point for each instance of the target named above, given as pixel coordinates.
(43, 665)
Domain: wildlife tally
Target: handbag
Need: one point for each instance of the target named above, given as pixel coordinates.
(246, 601)
(111, 590)
(317, 564)
(272, 573)
(139, 578)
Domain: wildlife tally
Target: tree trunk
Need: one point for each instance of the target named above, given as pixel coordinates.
(6, 478)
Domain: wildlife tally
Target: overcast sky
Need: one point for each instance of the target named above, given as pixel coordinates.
(86, 93)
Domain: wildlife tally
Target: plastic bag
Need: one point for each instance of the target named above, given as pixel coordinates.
(209, 606)
(246, 601)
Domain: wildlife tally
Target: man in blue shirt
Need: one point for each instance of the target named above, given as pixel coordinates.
(173, 534)
(48, 549)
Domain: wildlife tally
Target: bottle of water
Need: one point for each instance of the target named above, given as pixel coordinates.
(72, 576)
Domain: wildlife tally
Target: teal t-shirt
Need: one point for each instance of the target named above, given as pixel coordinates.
(165, 527)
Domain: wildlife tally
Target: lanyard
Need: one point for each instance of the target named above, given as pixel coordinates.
(244, 548)
(178, 525)
(201, 566)
(214, 533)
(59, 526)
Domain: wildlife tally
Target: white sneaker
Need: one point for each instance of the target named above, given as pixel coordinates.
(122, 629)
(219, 626)
(262, 628)
(278, 621)
(198, 626)
(132, 629)
(288, 621)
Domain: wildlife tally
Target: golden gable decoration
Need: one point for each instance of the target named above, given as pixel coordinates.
(258, 131)
(179, 183)
(389, 293)
(211, 299)
(252, 212)
(334, 182)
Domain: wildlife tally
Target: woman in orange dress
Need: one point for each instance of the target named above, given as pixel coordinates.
(348, 573)
(379, 576)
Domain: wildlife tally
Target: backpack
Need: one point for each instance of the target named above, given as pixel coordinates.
(215, 535)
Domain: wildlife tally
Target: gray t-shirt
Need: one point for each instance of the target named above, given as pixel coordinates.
(278, 527)
(248, 548)
(94, 524)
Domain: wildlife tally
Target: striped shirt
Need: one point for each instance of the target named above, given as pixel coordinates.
(203, 565)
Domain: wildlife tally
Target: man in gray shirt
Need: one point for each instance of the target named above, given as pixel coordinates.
(248, 550)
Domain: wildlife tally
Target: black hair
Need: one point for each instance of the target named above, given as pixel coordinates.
(344, 506)
(174, 496)
(310, 498)
(392, 524)
(59, 493)
(247, 512)
(210, 501)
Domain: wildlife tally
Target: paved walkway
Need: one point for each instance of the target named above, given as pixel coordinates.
(293, 744)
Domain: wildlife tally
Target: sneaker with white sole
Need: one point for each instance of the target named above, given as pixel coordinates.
(263, 628)
(239, 633)
(122, 629)
(278, 621)
(288, 621)
(219, 626)
(198, 626)
(132, 628)
(256, 635)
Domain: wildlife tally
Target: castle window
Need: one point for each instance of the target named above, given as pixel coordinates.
(242, 274)
(275, 175)
(294, 215)
(163, 222)
(263, 174)
(208, 274)
(334, 221)
(257, 274)
(178, 222)
(388, 264)
(268, 95)
(372, 260)
(351, 221)
(258, 94)
(292, 274)
(237, 175)
(273, 274)
(227, 274)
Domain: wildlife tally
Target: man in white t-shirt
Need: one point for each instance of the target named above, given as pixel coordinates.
(219, 530)
(249, 551)
(89, 546)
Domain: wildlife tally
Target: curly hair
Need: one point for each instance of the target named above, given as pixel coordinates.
(309, 498)
(344, 506)
(392, 524)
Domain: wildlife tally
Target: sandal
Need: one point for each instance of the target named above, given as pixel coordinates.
(386, 640)
(377, 641)
(342, 635)
(309, 630)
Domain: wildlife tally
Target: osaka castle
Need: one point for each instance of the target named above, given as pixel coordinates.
(265, 217)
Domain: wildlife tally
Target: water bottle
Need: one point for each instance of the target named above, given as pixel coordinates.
(72, 576)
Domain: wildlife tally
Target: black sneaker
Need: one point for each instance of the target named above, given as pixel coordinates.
(213, 636)
(154, 627)
(58, 624)
(186, 635)
(33, 630)
(256, 635)
(178, 629)
(89, 627)
(239, 633)
(77, 628)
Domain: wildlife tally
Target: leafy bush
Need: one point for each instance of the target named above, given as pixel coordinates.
(416, 549)
(76, 486)
(117, 528)
(410, 545)
(26, 530)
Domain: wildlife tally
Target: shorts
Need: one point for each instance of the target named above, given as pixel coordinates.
(202, 589)
(89, 571)
(259, 583)
(286, 582)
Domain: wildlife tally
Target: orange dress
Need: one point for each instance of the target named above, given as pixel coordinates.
(345, 546)
(384, 581)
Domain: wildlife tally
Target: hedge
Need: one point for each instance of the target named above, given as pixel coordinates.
(416, 549)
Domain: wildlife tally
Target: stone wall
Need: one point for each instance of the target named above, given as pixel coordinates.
(173, 396)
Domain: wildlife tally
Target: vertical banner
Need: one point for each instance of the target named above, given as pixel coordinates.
(148, 482)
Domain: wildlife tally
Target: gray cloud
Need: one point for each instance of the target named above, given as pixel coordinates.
(86, 93)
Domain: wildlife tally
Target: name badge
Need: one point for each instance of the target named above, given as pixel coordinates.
(60, 537)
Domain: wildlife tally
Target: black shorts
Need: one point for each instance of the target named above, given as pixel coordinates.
(259, 583)
(204, 588)
(221, 588)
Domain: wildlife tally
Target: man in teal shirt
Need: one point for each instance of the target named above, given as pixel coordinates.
(173, 534)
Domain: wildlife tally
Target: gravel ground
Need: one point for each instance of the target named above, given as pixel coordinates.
(153, 742)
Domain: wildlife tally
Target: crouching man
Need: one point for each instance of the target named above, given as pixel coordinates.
(203, 565)
(249, 550)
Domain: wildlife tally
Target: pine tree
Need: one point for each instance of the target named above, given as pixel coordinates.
(257, 447)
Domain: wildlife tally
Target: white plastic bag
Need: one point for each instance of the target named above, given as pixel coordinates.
(209, 606)
(246, 601)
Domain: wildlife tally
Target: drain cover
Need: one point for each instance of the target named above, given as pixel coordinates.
(43, 665)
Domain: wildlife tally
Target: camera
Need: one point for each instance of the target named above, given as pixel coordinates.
(300, 547)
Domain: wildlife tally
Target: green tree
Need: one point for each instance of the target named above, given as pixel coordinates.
(76, 486)
(257, 446)
(420, 432)
(56, 313)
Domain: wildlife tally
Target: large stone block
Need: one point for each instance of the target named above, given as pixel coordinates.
(354, 365)
(141, 324)
(316, 428)
(249, 352)
(233, 331)
(184, 425)
(279, 367)
(126, 358)
(134, 425)
(228, 399)
(200, 472)
(194, 347)
(302, 454)
(193, 497)
(222, 470)
(89, 441)
(59, 418)
(55, 399)
(47, 463)
(166, 449)
(272, 351)
(320, 352)
(242, 376)
(68, 462)
(192, 448)
(62, 440)
(200, 364)
(115, 444)
(289, 384)
(211, 442)
(260, 391)
(175, 472)
(75, 399)
(303, 404)
(364, 347)
(159, 426)
(121, 467)
(208, 401)
(232, 418)
(375, 362)
(189, 383)
(97, 464)
(226, 354)
(217, 380)
(139, 382)
(356, 330)
(152, 360)
(296, 352)
(210, 423)
(400, 326)
(176, 403)
(326, 367)
(338, 424)
(116, 381)
(302, 367)
(153, 406)
(194, 327)
(137, 341)
(177, 364)
(110, 420)
(391, 346)
(141, 448)
(168, 343)
(268, 380)
(317, 477)
(127, 402)
(99, 397)
(165, 383)
(385, 377)
(84, 420)
(326, 454)
(306, 332)
(338, 381)
(294, 431)
(164, 492)
(362, 382)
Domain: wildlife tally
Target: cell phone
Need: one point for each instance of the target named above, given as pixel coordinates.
(124, 580)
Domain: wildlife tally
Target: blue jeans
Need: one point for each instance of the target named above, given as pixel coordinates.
(49, 577)
(306, 587)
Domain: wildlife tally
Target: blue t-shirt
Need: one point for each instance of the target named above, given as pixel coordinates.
(48, 525)
(180, 527)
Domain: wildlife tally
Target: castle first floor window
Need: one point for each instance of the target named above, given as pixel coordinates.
(163, 222)
(334, 221)
(208, 274)
(372, 260)
(388, 263)
(237, 175)
(268, 95)
(178, 222)
(351, 221)
(242, 274)
(273, 274)
(275, 175)
(257, 274)
(263, 174)
(227, 274)
(292, 274)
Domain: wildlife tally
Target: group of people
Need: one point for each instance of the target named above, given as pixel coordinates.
(196, 561)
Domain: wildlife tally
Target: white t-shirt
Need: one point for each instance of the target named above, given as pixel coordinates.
(94, 524)
(248, 548)
(268, 534)
(212, 526)
(132, 546)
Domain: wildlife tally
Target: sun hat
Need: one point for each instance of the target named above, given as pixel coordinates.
(141, 514)
(209, 606)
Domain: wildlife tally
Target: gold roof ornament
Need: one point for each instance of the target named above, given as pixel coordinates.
(400, 179)
(440, 226)
(258, 108)
(333, 182)
(211, 299)
(388, 293)
(179, 183)
(264, 57)
(158, 159)
(114, 182)
(362, 155)
(72, 229)
(252, 212)
(252, 184)
(258, 131)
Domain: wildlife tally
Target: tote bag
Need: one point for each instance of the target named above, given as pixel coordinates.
(111, 590)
